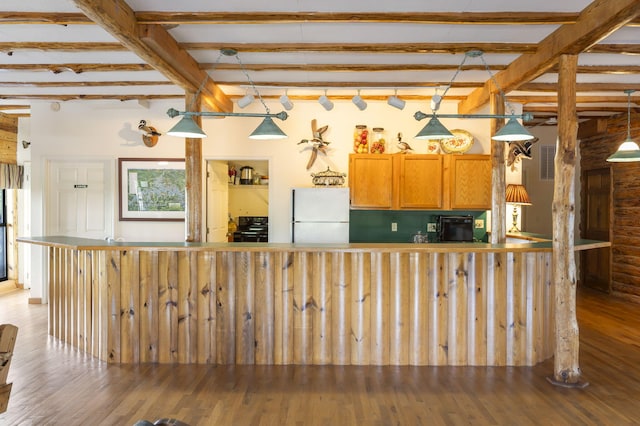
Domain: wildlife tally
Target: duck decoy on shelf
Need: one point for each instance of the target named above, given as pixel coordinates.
(149, 134)
(317, 143)
(403, 146)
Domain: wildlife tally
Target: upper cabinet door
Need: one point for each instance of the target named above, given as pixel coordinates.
(420, 181)
(371, 181)
(470, 183)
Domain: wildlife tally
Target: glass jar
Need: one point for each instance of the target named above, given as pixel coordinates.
(378, 141)
(361, 139)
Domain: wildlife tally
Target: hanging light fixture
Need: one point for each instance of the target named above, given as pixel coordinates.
(268, 129)
(628, 151)
(512, 131)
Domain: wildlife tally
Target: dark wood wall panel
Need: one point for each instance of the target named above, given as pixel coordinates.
(625, 201)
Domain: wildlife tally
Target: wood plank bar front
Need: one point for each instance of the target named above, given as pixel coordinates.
(228, 305)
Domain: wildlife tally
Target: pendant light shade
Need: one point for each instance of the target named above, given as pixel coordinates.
(512, 131)
(187, 128)
(629, 151)
(434, 130)
(267, 130)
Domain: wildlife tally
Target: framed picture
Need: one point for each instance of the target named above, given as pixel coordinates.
(151, 189)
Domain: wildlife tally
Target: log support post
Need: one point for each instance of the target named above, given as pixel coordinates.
(566, 368)
(498, 206)
(193, 175)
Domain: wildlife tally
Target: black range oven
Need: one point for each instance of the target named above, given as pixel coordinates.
(253, 229)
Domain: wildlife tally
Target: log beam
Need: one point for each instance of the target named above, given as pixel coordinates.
(499, 187)
(566, 367)
(118, 19)
(596, 22)
(193, 178)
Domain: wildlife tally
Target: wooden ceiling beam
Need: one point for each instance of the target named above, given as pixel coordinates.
(117, 18)
(417, 48)
(78, 97)
(186, 18)
(128, 83)
(76, 68)
(581, 87)
(596, 22)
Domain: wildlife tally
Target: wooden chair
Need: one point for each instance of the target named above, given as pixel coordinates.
(8, 335)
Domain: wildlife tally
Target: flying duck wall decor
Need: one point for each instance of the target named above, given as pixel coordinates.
(149, 134)
(317, 143)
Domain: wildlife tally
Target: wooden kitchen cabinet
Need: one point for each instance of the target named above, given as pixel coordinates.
(469, 182)
(420, 181)
(371, 181)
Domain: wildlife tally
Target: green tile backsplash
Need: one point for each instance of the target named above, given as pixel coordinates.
(374, 226)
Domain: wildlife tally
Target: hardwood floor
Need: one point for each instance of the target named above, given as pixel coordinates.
(55, 385)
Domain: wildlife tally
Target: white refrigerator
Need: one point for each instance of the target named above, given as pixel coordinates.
(320, 215)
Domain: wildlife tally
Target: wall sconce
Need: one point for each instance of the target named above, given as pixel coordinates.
(286, 102)
(187, 128)
(512, 131)
(516, 195)
(395, 101)
(149, 134)
(26, 144)
(359, 102)
(628, 151)
(325, 102)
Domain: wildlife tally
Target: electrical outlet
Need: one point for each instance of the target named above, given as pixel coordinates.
(394, 227)
(479, 223)
(431, 227)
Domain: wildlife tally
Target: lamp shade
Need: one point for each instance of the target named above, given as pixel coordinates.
(267, 130)
(627, 152)
(512, 131)
(434, 130)
(517, 194)
(187, 128)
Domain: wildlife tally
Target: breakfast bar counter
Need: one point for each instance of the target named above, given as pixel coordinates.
(266, 303)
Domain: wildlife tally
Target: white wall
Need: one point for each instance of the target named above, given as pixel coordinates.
(107, 130)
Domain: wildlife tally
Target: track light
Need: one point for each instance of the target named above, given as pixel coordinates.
(395, 101)
(359, 102)
(325, 102)
(286, 102)
(246, 100)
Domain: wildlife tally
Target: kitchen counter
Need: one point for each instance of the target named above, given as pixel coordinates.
(266, 303)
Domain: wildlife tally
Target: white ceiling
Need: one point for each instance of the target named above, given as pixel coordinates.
(20, 87)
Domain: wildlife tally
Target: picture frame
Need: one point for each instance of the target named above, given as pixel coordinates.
(152, 189)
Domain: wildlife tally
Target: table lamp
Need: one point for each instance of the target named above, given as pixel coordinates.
(517, 195)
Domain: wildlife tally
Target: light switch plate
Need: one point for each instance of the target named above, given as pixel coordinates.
(394, 227)
(479, 223)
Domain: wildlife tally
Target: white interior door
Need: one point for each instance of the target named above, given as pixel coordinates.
(79, 204)
(217, 201)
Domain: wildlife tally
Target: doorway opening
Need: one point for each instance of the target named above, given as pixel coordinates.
(236, 189)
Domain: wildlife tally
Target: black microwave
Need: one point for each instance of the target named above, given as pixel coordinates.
(456, 229)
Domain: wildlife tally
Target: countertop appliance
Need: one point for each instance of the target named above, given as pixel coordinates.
(246, 175)
(253, 229)
(458, 229)
(320, 215)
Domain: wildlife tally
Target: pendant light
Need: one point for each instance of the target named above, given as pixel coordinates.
(629, 151)
(512, 131)
(268, 129)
